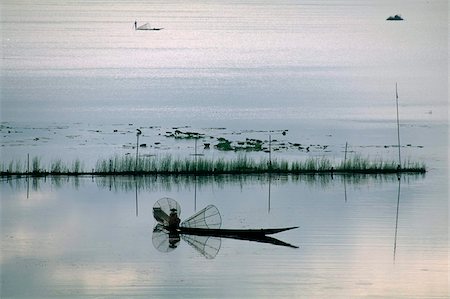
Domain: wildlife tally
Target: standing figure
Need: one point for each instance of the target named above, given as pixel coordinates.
(135, 25)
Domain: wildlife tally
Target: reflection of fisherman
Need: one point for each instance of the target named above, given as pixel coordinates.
(174, 239)
(174, 221)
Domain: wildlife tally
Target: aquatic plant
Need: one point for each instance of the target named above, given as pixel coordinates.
(77, 166)
(13, 166)
(36, 165)
(249, 145)
(241, 164)
(57, 166)
(223, 145)
(184, 135)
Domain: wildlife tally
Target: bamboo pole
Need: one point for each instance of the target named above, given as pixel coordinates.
(270, 151)
(398, 128)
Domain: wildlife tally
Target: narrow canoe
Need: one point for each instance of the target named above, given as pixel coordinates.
(233, 232)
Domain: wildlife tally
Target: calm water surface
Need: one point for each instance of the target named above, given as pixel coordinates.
(358, 237)
(75, 71)
(78, 61)
(76, 81)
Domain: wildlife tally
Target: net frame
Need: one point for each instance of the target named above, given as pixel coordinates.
(209, 217)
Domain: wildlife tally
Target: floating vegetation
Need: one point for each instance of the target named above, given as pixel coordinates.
(249, 145)
(223, 145)
(184, 135)
(168, 164)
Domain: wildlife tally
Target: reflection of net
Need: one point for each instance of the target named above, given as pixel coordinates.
(161, 209)
(166, 240)
(209, 217)
(163, 241)
(205, 245)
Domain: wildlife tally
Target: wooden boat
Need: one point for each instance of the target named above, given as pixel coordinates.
(202, 230)
(255, 235)
(232, 232)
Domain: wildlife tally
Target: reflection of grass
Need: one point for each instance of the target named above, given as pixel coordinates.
(242, 164)
(175, 182)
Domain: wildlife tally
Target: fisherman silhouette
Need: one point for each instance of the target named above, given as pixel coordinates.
(174, 221)
(135, 25)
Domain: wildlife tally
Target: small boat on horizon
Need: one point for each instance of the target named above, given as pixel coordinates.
(395, 18)
(146, 26)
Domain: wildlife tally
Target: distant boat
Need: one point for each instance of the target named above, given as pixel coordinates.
(147, 26)
(395, 18)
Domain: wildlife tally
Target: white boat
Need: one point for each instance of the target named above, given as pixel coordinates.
(147, 26)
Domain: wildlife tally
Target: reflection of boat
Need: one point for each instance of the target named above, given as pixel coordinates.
(395, 18)
(233, 232)
(202, 230)
(147, 26)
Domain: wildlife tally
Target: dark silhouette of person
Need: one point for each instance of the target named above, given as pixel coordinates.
(135, 25)
(174, 221)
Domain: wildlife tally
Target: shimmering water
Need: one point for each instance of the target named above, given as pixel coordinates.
(78, 61)
(77, 81)
(75, 71)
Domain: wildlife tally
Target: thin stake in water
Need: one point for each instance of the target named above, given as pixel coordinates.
(270, 151)
(195, 155)
(398, 128)
(139, 132)
(345, 155)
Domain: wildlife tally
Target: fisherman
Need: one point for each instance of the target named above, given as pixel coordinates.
(174, 221)
(135, 25)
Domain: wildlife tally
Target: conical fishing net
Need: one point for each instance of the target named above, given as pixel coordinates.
(162, 209)
(163, 240)
(146, 26)
(209, 217)
(206, 245)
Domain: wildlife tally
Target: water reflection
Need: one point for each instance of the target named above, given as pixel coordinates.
(33, 183)
(396, 217)
(137, 204)
(59, 235)
(268, 200)
(180, 182)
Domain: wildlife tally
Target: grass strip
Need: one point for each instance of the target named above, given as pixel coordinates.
(168, 164)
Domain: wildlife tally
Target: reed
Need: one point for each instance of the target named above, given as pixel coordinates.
(77, 166)
(242, 164)
(57, 166)
(36, 165)
(13, 166)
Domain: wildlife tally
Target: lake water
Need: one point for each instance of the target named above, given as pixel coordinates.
(77, 81)
(358, 237)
